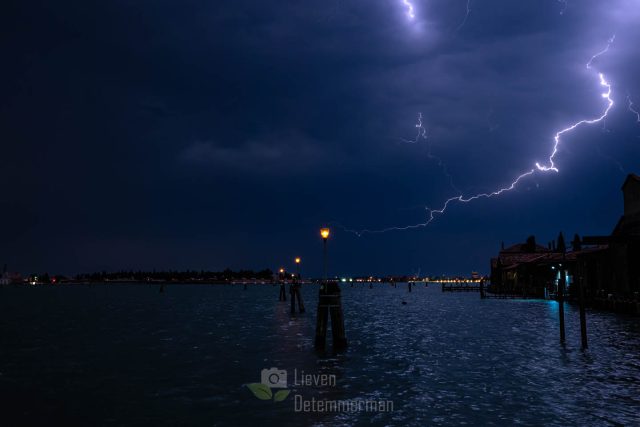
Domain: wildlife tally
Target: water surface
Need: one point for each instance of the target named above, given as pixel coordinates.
(128, 355)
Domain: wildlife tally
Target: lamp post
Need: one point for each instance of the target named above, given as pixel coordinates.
(324, 232)
(329, 303)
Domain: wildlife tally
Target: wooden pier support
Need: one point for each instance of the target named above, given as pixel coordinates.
(409, 286)
(561, 305)
(330, 303)
(294, 293)
(283, 295)
(583, 317)
(482, 294)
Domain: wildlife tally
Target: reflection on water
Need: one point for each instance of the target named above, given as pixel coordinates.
(127, 355)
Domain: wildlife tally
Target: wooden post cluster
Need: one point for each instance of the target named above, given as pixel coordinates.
(330, 303)
(294, 291)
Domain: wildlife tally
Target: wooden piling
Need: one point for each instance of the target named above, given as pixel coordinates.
(583, 317)
(322, 318)
(283, 295)
(561, 305)
(561, 286)
(409, 286)
(329, 303)
(294, 293)
(299, 297)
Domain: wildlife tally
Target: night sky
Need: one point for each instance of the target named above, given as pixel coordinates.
(207, 134)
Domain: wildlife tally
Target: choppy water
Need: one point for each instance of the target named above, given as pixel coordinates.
(127, 355)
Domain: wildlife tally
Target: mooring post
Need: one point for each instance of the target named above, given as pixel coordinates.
(409, 286)
(482, 296)
(322, 319)
(299, 297)
(294, 290)
(583, 317)
(283, 295)
(561, 247)
(561, 305)
(294, 293)
(337, 318)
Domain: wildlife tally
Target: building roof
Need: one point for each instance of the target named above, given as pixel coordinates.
(523, 248)
(511, 261)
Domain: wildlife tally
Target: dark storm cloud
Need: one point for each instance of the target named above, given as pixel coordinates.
(205, 134)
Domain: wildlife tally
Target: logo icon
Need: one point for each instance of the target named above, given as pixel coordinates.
(274, 378)
(271, 378)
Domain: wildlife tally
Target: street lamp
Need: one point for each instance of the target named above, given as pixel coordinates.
(324, 232)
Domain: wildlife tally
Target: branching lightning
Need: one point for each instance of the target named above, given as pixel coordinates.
(423, 134)
(466, 16)
(602, 52)
(549, 166)
(633, 110)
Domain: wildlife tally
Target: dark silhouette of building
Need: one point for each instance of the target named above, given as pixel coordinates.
(529, 269)
(608, 267)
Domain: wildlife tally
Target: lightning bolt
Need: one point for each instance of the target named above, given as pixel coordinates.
(602, 52)
(539, 168)
(633, 110)
(550, 166)
(466, 16)
(411, 14)
(423, 134)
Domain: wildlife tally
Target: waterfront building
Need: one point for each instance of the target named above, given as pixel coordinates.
(530, 269)
(606, 266)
